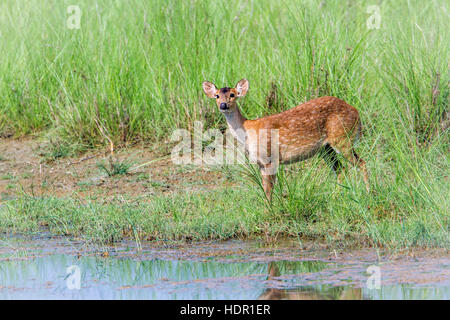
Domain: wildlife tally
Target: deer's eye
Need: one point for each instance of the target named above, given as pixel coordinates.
(217, 96)
(232, 95)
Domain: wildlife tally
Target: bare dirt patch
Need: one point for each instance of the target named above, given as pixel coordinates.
(24, 169)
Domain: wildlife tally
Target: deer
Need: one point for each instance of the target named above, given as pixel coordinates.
(325, 125)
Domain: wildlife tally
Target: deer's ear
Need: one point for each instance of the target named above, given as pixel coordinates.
(242, 87)
(209, 88)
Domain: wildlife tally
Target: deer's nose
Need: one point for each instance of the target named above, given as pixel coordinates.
(223, 106)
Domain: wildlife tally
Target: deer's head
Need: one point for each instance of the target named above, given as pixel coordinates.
(226, 97)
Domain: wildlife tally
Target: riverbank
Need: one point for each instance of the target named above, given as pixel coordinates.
(153, 199)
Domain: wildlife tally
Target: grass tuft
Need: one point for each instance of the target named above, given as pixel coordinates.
(115, 167)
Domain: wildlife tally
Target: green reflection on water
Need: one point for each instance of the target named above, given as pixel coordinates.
(112, 278)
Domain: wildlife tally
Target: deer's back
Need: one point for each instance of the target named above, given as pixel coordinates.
(303, 129)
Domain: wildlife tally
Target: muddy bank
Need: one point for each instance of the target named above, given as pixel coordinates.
(40, 168)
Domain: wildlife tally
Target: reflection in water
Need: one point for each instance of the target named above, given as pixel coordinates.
(112, 278)
(306, 293)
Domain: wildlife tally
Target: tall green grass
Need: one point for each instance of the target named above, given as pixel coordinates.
(137, 66)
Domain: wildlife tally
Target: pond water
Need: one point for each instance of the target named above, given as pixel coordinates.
(49, 268)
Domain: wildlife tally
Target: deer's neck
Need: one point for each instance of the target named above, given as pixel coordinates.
(235, 122)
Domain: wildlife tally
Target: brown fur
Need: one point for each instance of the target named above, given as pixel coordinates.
(303, 130)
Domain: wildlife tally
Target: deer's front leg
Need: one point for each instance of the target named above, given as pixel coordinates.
(268, 180)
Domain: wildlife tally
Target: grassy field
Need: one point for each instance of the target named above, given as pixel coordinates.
(134, 71)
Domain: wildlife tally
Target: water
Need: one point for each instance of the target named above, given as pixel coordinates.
(38, 269)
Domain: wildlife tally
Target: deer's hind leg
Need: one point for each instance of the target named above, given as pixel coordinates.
(362, 165)
(347, 151)
(331, 158)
